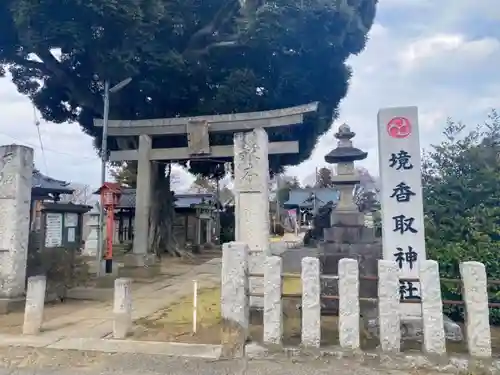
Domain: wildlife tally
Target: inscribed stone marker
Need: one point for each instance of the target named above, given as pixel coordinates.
(16, 174)
(251, 183)
(401, 197)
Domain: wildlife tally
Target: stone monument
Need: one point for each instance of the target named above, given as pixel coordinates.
(16, 173)
(402, 214)
(251, 189)
(347, 236)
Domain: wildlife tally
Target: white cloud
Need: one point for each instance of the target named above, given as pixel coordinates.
(455, 49)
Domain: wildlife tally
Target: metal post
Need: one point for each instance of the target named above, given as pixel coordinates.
(278, 203)
(104, 159)
(219, 207)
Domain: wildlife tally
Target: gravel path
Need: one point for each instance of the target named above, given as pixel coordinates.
(54, 362)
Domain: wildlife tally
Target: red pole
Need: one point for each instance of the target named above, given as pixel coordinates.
(110, 221)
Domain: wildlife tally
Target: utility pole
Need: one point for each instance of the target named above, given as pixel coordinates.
(104, 159)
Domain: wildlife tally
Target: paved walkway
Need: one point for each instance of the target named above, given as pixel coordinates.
(89, 319)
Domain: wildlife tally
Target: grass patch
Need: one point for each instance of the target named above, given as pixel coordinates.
(181, 313)
(292, 285)
(175, 322)
(208, 312)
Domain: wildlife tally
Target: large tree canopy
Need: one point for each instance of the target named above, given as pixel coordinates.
(186, 57)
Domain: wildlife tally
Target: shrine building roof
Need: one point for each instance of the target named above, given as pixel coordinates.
(42, 185)
(304, 198)
(127, 199)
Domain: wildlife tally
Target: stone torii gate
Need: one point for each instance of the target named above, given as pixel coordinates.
(197, 130)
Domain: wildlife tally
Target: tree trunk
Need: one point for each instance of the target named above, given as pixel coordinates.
(163, 214)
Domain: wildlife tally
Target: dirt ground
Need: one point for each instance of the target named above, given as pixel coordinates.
(43, 361)
(12, 323)
(170, 267)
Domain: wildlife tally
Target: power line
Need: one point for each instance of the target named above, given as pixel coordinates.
(37, 124)
(89, 158)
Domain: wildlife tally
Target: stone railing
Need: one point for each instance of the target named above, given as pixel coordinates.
(235, 307)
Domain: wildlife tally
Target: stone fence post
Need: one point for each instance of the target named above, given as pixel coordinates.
(273, 310)
(475, 294)
(389, 306)
(234, 299)
(122, 308)
(311, 303)
(349, 304)
(35, 303)
(432, 308)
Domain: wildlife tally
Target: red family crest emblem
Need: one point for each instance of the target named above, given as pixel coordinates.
(399, 127)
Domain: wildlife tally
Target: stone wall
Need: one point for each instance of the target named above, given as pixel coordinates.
(389, 306)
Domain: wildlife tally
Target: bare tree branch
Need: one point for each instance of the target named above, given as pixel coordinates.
(212, 46)
(83, 194)
(83, 97)
(207, 37)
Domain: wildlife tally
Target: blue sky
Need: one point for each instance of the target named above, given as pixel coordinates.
(440, 55)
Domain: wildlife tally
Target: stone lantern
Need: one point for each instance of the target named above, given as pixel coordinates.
(348, 237)
(344, 155)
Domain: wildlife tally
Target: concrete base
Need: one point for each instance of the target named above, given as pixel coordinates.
(8, 305)
(140, 272)
(170, 349)
(347, 218)
(91, 294)
(139, 260)
(140, 266)
(412, 362)
(367, 254)
(352, 234)
(412, 327)
(106, 281)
